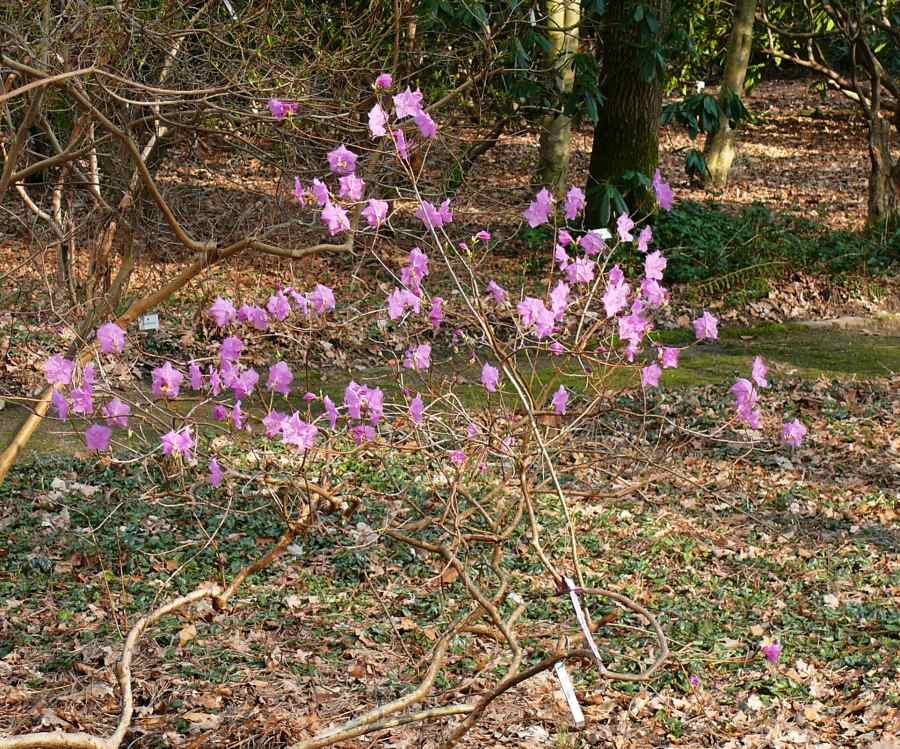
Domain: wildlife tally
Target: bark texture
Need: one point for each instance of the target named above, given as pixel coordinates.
(720, 151)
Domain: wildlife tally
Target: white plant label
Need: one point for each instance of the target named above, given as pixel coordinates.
(569, 693)
(149, 321)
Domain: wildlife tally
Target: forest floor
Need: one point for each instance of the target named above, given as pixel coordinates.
(731, 549)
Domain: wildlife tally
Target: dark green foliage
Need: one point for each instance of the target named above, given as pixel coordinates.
(704, 241)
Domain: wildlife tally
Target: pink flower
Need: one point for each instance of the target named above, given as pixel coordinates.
(279, 306)
(538, 211)
(574, 203)
(342, 160)
(400, 142)
(360, 399)
(375, 212)
(650, 376)
(97, 437)
(60, 404)
(706, 326)
(560, 400)
(556, 348)
(669, 357)
(112, 338)
(418, 358)
(772, 651)
(496, 291)
(416, 409)
(483, 236)
(663, 192)
(377, 121)
(230, 350)
(644, 239)
(746, 397)
(534, 314)
(426, 125)
(309, 397)
(298, 433)
(437, 312)
(654, 265)
(116, 413)
(624, 225)
(280, 378)
(58, 370)
(760, 370)
(490, 377)
(559, 300)
(581, 271)
(330, 411)
(237, 415)
(178, 443)
(694, 680)
(322, 299)
(83, 400)
(335, 218)
(399, 300)
(412, 274)
(793, 433)
(243, 385)
(272, 422)
(655, 294)
(615, 298)
(563, 238)
(407, 103)
(219, 412)
(216, 474)
(384, 80)
(195, 375)
(166, 381)
(320, 192)
(362, 433)
(633, 328)
(594, 241)
(299, 192)
(280, 109)
(352, 187)
(458, 457)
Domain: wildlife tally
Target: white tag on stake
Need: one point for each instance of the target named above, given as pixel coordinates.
(582, 622)
(569, 693)
(150, 321)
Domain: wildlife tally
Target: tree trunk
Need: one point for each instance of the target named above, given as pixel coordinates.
(626, 136)
(563, 18)
(884, 177)
(720, 151)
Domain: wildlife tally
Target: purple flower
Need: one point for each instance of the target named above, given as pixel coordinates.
(793, 433)
(298, 433)
(375, 212)
(195, 375)
(538, 211)
(216, 474)
(694, 680)
(490, 377)
(746, 397)
(624, 225)
(242, 386)
(426, 125)
(560, 400)
(384, 80)
(299, 192)
(458, 457)
(219, 412)
(280, 109)
(330, 411)
(279, 306)
(362, 433)
(360, 399)
(706, 326)
(772, 651)
(222, 312)
(432, 217)
(656, 294)
(322, 299)
(320, 192)
(559, 300)
(272, 422)
(669, 357)
(280, 378)
(412, 275)
(663, 192)
(116, 413)
(112, 338)
(644, 239)
(335, 218)
(230, 350)
(563, 238)
(483, 236)
(166, 381)
(593, 242)
(615, 298)
(60, 404)
(581, 271)
(83, 400)
(352, 187)
(496, 291)
(654, 265)
(237, 415)
(407, 103)
(399, 300)
(254, 315)
(418, 358)
(760, 370)
(650, 376)
(556, 348)
(416, 409)
(97, 436)
(400, 141)
(377, 122)
(342, 160)
(179, 443)
(437, 312)
(533, 313)
(574, 203)
(58, 370)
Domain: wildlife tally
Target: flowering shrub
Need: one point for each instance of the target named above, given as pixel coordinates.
(512, 424)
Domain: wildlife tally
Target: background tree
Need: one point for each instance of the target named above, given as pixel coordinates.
(719, 151)
(626, 136)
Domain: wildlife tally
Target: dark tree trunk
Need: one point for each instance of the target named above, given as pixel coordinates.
(884, 177)
(626, 137)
